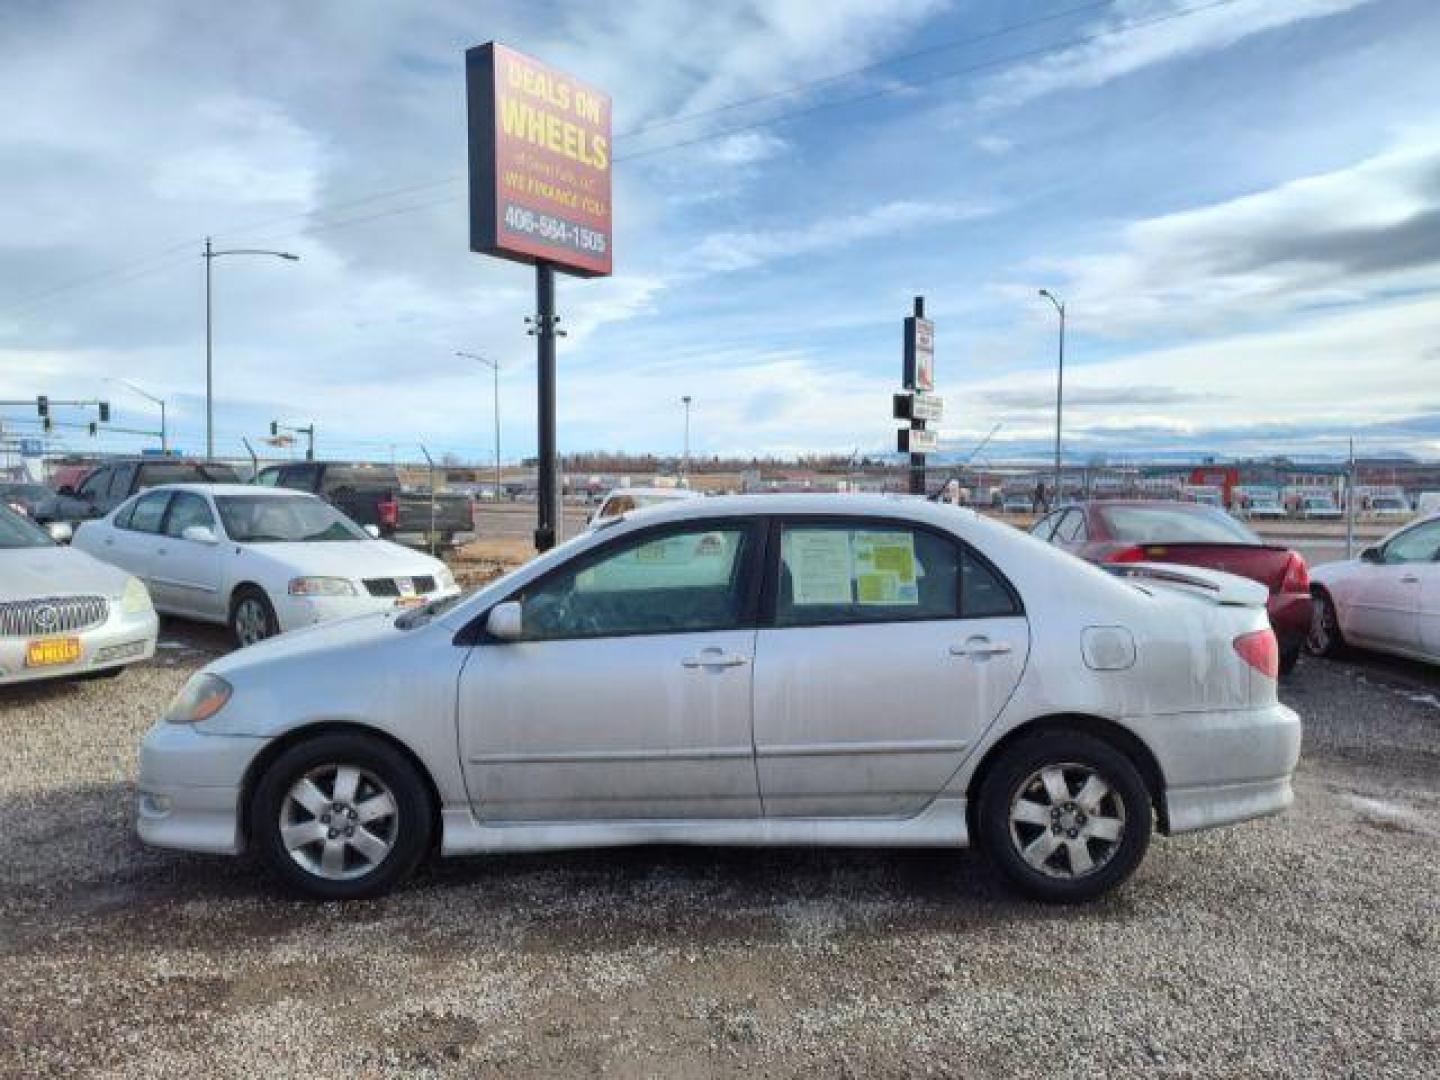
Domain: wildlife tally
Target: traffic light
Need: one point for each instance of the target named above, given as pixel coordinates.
(104, 412)
(274, 429)
(94, 429)
(42, 406)
(46, 424)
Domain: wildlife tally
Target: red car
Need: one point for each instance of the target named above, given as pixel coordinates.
(1152, 531)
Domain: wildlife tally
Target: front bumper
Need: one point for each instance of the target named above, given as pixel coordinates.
(295, 612)
(121, 639)
(1223, 767)
(188, 793)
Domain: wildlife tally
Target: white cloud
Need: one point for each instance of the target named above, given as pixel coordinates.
(1141, 34)
(730, 251)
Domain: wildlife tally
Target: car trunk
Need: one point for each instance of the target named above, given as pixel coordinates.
(1265, 563)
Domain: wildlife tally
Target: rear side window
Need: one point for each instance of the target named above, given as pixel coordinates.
(1071, 529)
(95, 485)
(148, 511)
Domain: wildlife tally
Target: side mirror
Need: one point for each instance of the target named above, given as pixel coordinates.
(200, 534)
(505, 622)
(1371, 555)
(372, 531)
(60, 532)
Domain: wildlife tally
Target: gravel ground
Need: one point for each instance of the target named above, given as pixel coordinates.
(1303, 945)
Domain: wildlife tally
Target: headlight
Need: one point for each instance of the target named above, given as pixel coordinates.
(199, 699)
(136, 599)
(445, 579)
(321, 586)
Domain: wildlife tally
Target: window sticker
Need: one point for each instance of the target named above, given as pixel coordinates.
(820, 566)
(885, 568)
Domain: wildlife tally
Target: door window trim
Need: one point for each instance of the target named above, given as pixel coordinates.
(752, 573)
(770, 589)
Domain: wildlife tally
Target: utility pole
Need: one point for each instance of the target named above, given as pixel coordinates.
(210, 256)
(494, 366)
(685, 461)
(1059, 386)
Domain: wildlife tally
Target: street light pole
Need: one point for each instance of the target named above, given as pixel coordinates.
(685, 464)
(210, 256)
(1059, 384)
(164, 440)
(494, 366)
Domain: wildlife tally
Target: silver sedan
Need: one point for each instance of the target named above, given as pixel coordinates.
(754, 670)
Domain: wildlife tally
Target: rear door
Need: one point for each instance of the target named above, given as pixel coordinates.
(133, 543)
(629, 695)
(890, 648)
(186, 573)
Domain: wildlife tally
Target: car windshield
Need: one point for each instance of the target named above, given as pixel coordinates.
(1173, 525)
(281, 519)
(1318, 504)
(20, 532)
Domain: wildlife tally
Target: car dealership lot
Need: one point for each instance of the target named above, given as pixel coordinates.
(1293, 946)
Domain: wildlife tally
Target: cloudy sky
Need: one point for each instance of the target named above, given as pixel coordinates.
(1239, 201)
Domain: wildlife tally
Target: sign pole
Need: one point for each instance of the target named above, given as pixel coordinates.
(547, 511)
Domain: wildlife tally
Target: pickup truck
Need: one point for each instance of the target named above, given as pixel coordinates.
(374, 495)
(107, 486)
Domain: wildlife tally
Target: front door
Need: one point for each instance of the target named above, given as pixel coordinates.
(629, 694)
(185, 576)
(1383, 599)
(892, 648)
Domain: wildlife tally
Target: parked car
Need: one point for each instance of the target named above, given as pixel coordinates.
(261, 562)
(623, 500)
(107, 486)
(41, 505)
(1388, 599)
(64, 614)
(757, 669)
(1390, 507)
(1319, 508)
(1264, 506)
(374, 495)
(1017, 504)
(1193, 535)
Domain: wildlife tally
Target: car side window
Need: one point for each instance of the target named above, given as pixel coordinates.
(122, 518)
(95, 485)
(621, 504)
(186, 509)
(1042, 529)
(297, 477)
(268, 477)
(1071, 528)
(863, 572)
(148, 512)
(120, 479)
(1420, 544)
(678, 581)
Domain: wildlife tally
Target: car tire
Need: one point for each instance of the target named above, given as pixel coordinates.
(252, 616)
(1324, 637)
(1289, 656)
(1040, 836)
(301, 838)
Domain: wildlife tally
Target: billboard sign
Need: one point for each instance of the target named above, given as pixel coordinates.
(927, 407)
(919, 354)
(918, 441)
(539, 163)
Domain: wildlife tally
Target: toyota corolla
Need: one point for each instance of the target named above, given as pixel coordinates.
(848, 670)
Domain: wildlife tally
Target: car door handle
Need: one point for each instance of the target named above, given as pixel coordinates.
(714, 658)
(1410, 579)
(981, 647)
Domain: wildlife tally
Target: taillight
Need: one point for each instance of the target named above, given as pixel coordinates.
(389, 511)
(1297, 576)
(1260, 650)
(1134, 553)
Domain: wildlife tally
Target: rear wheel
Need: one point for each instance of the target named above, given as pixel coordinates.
(341, 817)
(252, 616)
(1324, 638)
(1289, 656)
(1065, 817)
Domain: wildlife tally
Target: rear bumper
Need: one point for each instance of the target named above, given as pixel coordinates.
(1223, 767)
(1289, 617)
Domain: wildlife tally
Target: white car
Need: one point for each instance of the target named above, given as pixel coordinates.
(1389, 506)
(1319, 508)
(63, 613)
(623, 500)
(762, 669)
(1388, 599)
(260, 560)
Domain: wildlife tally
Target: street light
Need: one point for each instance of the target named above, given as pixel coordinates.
(164, 441)
(494, 366)
(1059, 384)
(210, 256)
(685, 465)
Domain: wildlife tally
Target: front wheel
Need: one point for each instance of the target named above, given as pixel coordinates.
(341, 817)
(1064, 817)
(252, 617)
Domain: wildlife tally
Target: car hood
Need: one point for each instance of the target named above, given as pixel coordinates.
(311, 642)
(354, 559)
(30, 573)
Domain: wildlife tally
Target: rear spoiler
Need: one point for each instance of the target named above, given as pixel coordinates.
(1215, 585)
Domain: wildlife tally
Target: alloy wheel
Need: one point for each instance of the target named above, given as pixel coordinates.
(251, 621)
(1066, 820)
(1322, 621)
(339, 822)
